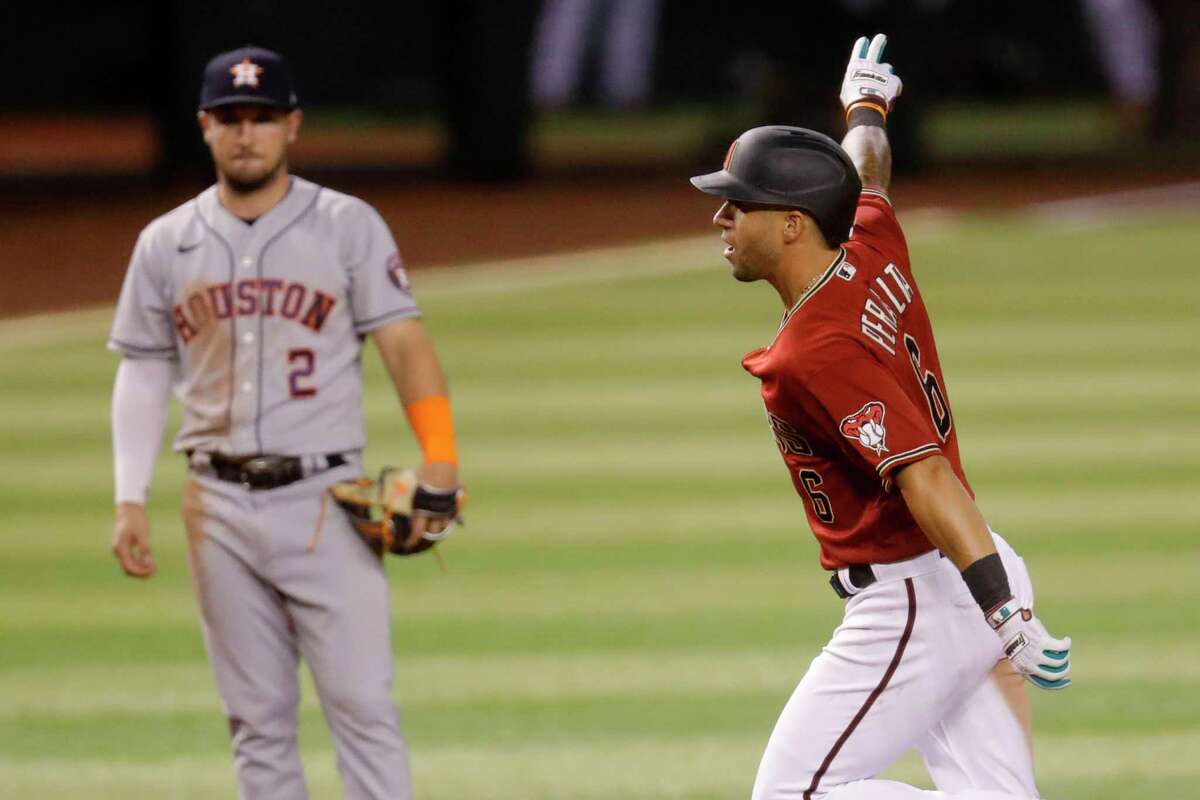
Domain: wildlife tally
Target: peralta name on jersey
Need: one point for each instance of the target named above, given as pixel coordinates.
(883, 307)
(266, 296)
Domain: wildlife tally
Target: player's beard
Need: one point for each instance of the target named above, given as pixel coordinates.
(749, 263)
(740, 271)
(743, 276)
(251, 182)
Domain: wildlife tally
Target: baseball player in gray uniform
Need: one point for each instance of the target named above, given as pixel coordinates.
(252, 300)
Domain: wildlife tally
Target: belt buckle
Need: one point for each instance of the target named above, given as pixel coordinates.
(257, 471)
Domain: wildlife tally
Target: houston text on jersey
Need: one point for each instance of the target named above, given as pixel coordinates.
(251, 296)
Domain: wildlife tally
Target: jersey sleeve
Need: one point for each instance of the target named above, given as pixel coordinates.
(876, 226)
(379, 288)
(867, 411)
(143, 325)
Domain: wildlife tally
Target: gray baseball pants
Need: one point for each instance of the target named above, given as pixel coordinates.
(271, 590)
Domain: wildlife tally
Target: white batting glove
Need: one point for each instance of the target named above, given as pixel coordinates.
(867, 80)
(1043, 660)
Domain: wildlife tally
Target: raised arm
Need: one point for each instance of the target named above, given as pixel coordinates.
(869, 149)
(869, 91)
(931, 490)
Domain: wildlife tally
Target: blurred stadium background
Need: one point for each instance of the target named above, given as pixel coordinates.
(637, 593)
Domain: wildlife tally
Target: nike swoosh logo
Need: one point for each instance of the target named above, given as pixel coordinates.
(188, 248)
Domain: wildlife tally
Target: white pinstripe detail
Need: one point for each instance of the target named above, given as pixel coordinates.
(889, 462)
(878, 193)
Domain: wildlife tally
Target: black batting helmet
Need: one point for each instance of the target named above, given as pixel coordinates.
(785, 166)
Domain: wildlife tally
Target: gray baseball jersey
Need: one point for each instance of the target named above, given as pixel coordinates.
(265, 319)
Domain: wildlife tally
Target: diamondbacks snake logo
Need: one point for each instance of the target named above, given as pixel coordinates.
(865, 426)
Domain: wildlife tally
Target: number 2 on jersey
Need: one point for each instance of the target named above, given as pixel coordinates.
(939, 409)
(308, 362)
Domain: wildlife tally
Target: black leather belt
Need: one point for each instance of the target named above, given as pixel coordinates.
(860, 575)
(264, 472)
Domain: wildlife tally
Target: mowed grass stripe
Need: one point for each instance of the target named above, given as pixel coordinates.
(628, 589)
(156, 690)
(600, 511)
(708, 768)
(634, 591)
(1077, 455)
(1014, 402)
(517, 542)
(674, 714)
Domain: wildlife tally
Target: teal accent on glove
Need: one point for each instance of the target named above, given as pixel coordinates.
(1061, 683)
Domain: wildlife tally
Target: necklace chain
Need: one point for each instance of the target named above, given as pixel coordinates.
(804, 293)
(813, 282)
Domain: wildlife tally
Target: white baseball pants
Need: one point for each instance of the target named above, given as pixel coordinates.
(908, 667)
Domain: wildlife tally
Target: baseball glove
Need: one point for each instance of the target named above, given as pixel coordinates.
(381, 510)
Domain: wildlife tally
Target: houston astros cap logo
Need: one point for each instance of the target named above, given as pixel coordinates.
(865, 426)
(246, 73)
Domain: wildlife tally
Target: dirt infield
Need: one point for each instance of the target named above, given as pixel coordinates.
(61, 254)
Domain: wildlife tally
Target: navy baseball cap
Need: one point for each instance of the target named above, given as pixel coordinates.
(248, 75)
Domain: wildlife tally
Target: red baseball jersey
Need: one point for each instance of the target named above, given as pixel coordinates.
(853, 391)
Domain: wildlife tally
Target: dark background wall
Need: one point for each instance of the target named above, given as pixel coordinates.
(466, 63)
(121, 55)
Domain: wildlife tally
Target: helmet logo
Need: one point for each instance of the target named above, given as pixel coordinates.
(729, 154)
(865, 426)
(246, 73)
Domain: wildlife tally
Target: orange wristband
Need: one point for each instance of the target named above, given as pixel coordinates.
(433, 424)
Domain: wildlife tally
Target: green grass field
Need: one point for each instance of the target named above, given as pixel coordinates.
(637, 591)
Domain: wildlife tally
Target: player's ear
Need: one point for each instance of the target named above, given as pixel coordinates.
(294, 118)
(205, 120)
(794, 226)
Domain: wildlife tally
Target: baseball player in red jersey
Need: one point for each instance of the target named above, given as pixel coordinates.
(938, 626)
